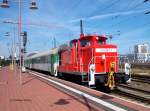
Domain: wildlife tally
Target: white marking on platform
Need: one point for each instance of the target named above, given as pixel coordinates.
(106, 104)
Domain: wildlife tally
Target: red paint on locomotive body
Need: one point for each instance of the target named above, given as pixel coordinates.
(87, 50)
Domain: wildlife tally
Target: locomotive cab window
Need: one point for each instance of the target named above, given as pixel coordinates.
(84, 43)
(71, 44)
(100, 42)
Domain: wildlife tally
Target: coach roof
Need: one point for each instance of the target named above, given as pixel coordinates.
(45, 53)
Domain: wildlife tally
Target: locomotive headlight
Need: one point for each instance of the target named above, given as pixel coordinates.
(103, 56)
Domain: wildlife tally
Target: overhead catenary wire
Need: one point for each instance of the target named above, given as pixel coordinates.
(114, 2)
(126, 19)
(73, 7)
(34, 24)
(141, 26)
(128, 7)
(106, 7)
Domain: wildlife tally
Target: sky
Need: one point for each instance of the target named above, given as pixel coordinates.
(125, 20)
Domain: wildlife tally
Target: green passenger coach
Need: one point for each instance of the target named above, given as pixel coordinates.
(45, 61)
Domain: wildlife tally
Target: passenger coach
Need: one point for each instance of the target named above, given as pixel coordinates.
(44, 61)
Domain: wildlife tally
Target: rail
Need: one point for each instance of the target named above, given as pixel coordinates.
(141, 78)
(134, 93)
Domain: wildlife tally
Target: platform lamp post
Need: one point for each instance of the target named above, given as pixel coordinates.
(33, 7)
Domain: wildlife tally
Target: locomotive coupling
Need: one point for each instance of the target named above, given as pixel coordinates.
(111, 81)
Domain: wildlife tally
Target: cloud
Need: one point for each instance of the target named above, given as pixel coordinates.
(104, 16)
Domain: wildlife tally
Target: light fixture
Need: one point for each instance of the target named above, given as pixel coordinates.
(33, 5)
(5, 4)
(147, 12)
(145, 0)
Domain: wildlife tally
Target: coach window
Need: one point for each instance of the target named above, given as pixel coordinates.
(37, 60)
(34, 60)
(48, 59)
(43, 59)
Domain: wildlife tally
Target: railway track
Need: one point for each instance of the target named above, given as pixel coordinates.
(137, 90)
(141, 78)
(133, 93)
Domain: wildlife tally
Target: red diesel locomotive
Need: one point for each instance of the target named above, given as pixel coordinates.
(90, 59)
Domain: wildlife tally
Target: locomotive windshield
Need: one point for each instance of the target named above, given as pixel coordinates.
(84, 43)
(71, 44)
(101, 40)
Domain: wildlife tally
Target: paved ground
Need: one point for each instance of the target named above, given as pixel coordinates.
(128, 105)
(34, 95)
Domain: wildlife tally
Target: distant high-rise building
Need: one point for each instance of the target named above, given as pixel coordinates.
(141, 48)
(141, 52)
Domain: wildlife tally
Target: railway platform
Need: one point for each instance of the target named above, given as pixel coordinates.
(34, 94)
